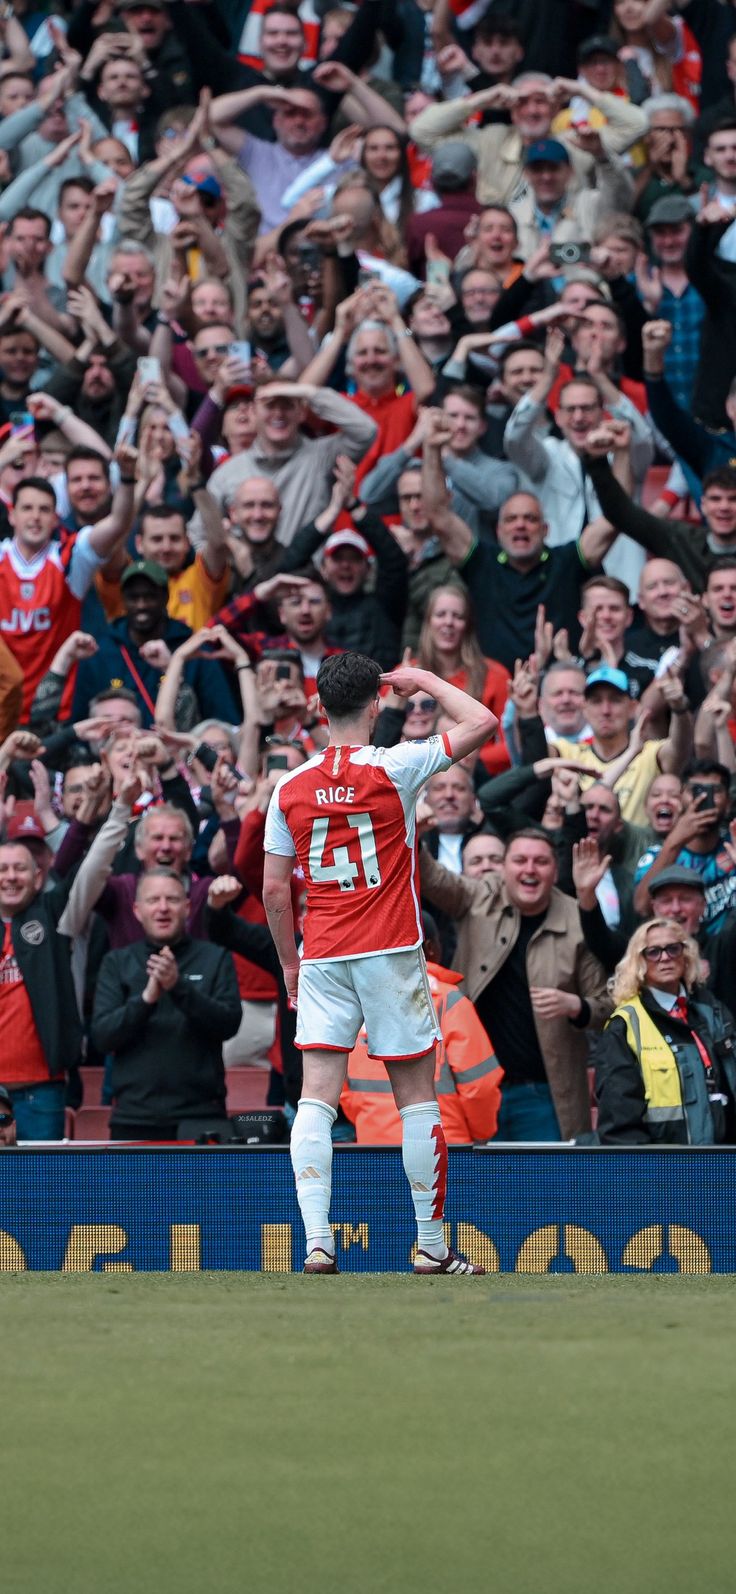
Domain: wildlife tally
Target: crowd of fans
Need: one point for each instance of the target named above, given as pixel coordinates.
(405, 327)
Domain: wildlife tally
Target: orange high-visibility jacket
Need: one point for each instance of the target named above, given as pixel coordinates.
(467, 1077)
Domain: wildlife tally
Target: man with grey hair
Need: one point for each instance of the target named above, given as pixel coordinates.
(164, 1005)
(164, 839)
(669, 120)
(532, 100)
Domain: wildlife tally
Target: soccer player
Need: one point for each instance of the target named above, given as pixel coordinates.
(348, 816)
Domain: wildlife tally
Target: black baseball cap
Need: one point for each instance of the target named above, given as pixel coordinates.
(598, 44)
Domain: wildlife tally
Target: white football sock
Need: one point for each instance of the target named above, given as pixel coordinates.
(424, 1151)
(311, 1159)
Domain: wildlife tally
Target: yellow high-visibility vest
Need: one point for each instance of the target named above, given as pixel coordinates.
(656, 1060)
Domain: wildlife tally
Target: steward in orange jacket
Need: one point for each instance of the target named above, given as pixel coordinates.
(467, 1078)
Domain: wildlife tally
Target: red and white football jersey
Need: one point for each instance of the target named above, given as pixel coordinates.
(41, 604)
(348, 815)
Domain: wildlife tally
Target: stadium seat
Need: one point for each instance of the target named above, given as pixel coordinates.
(655, 482)
(69, 1117)
(246, 1088)
(92, 1123)
(92, 1086)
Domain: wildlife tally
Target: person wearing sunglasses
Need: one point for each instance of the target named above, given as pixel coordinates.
(665, 1066)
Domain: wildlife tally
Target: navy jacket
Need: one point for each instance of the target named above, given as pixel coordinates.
(206, 677)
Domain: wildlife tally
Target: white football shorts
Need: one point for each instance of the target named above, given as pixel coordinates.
(389, 993)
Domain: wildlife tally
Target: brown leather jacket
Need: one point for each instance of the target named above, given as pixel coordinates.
(488, 927)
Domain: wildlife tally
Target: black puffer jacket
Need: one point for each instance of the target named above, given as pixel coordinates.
(167, 1062)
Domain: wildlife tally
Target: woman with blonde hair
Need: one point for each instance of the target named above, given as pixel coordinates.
(665, 1065)
(448, 646)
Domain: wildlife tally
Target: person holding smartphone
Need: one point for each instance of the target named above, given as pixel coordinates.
(700, 839)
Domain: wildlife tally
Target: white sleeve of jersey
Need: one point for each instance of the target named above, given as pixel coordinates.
(278, 837)
(411, 764)
(83, 565)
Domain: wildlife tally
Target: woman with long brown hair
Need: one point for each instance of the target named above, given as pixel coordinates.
(448, 645)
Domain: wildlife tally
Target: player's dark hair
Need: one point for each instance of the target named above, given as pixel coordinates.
(40, 484)
(347, 683)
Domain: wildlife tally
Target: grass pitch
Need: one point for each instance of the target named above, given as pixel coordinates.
(219, 1432)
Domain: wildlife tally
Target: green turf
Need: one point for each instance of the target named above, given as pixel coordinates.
(222, 1432)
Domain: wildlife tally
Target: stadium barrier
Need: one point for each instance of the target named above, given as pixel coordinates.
(530, 1210)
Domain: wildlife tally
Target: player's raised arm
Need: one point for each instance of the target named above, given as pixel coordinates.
(474, 723)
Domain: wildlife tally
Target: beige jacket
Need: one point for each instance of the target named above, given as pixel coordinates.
(500, 149)
(488, 927)
(238, 235)
(584, 208)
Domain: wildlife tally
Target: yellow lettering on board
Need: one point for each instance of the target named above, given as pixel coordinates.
(88, 1241)
(478, 1247)
(648, 1245)
(276, 1248)
(540, 1248)
(185, 1248)
(12, 1259)
(351, 1234)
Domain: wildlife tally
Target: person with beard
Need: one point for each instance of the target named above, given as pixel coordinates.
(534, 984)
(95, 383)
(275, 326)
(121, 655)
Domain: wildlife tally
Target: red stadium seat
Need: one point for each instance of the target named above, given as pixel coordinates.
(655, 482)
(92, 1085)
(246, 1088)
(92, 1123)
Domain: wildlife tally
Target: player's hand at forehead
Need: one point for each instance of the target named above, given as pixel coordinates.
(405, 680)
